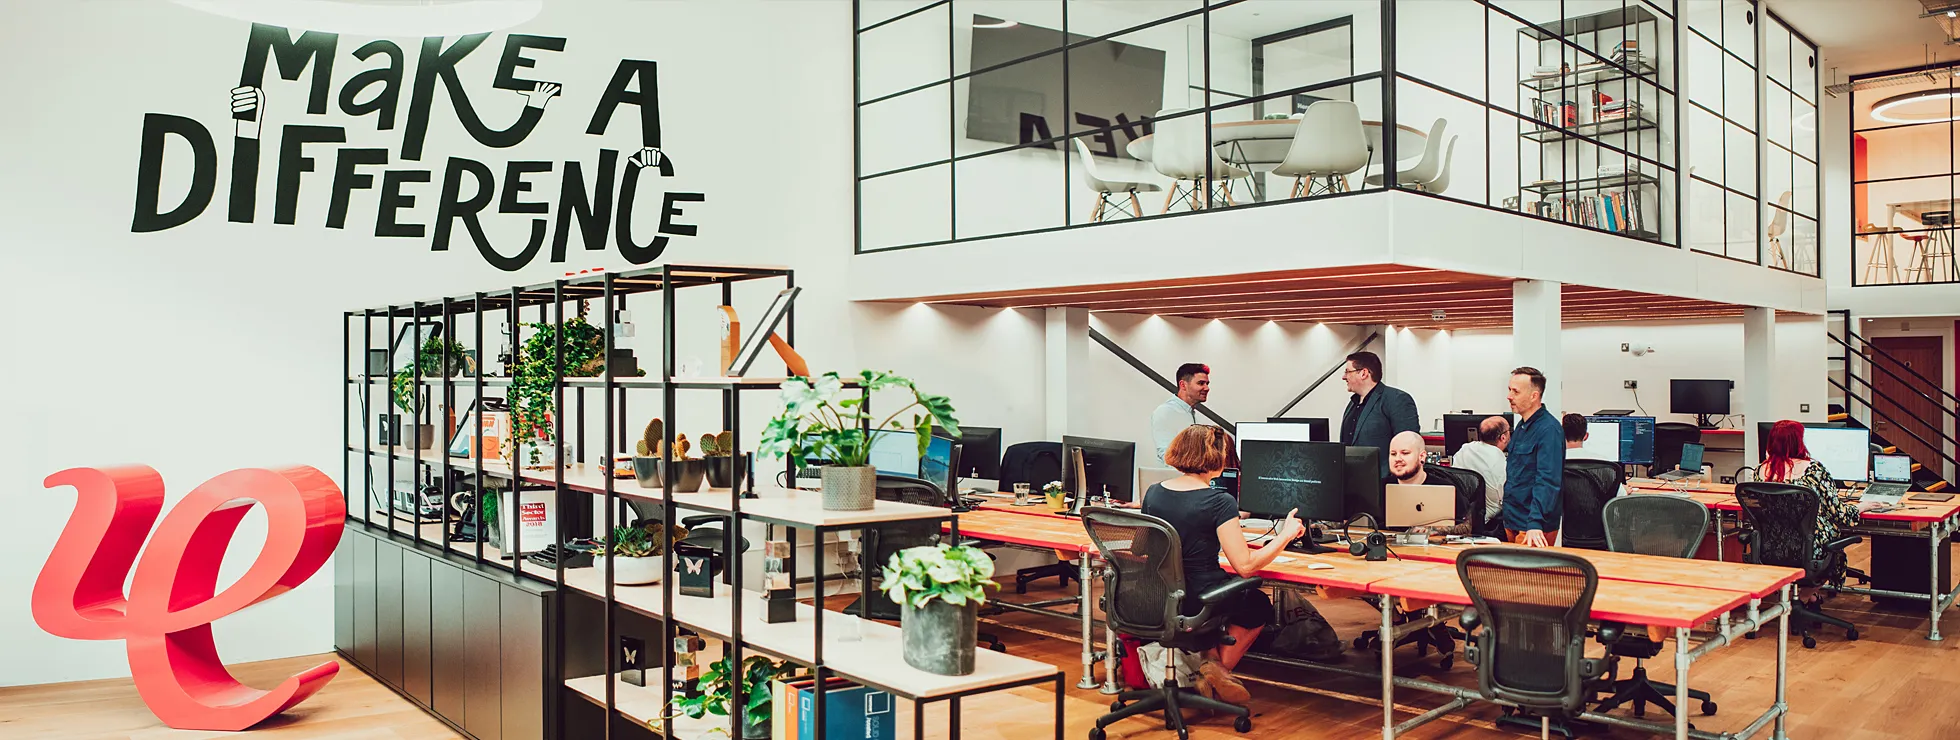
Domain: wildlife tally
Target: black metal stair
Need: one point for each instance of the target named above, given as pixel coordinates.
(1859, 391)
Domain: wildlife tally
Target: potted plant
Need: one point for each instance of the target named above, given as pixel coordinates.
(725, 470)
(534, 379)
(635, 552)
(647, 471)
(436, 358)
(940, 590)
(715, 690)
(821, 421)
(1056, 498)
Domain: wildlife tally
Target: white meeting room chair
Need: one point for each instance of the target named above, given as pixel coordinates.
(1181, 151)
(1328, 145)
(1106, 188)
(1442, 181)
(1779, 222)
(1425, 170)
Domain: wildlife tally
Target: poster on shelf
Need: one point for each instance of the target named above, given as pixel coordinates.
(496, 426)
(536, 520)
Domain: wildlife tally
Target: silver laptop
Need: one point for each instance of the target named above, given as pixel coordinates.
(1891, 479)
(1417, 506)
(1690, 465)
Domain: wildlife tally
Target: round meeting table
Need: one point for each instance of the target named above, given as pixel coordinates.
(1261, 145)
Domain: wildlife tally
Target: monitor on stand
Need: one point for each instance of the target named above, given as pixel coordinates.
(980, 453)
(1091, 466)
(1276, 477)
(1363, 476)
(1461, 429)
(1703, 398)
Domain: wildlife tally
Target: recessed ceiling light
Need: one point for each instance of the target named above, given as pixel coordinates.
(1952, 14)
(366, 18)
(1881, 109)
(997, 24)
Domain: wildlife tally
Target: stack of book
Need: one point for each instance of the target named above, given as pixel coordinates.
(1627, 54)
(1617, 211)
(1563, 113)
(851, 711)
(1616, 110)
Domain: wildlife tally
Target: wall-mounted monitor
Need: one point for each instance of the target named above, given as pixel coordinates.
(1115, 84)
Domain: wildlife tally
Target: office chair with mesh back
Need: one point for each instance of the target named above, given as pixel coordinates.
(1442, 638)
(883, 540)
(1662, 526)
(1779, 527)
(1585, 488)
(1036, 464)
(1669, 437)
(1527, 625)
(1143, 597)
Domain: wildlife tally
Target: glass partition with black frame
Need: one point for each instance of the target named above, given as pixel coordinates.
(1903, 172)
(1721, 120)
(1555, 110)
(1790, 129)
(983, 118)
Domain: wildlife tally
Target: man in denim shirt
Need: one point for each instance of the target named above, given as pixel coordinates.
(1534, 469)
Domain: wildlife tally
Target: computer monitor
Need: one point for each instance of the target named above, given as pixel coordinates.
(979, 452)
(1459, 429)
(1890, 468)
(1276, 477)
(1628, 440)
(1317, 426)
(937, 465)
(1363, 484)
(1107, 465)
(1846, 452)
(896, 452)
(1703, 398)
(1763, 428)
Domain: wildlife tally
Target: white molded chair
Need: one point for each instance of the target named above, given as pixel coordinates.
(1779, 222)
(1180, 153)
(1105, 188)
(1418, 175)
(1442, 181)
(1328, 145)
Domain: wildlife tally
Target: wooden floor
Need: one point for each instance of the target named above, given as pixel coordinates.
(1892, 683)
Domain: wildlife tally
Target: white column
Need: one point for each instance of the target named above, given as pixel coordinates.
(1066, 365)
(1536, 310)
(1758, 376)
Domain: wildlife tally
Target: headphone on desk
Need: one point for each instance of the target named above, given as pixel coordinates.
(1374, 546)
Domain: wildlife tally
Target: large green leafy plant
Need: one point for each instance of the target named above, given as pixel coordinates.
(430, 363)
(716, 690)
(955, 575)
(534, 376)
(822, 419)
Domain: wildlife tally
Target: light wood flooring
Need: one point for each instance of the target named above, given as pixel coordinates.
(1892, 683)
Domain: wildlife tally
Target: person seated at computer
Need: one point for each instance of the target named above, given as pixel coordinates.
(1207, 524)
(1575, 444)
(1485, 456)
(1786, 460)
(1405, 455)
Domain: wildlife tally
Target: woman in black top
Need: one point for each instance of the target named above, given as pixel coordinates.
(1207, 524)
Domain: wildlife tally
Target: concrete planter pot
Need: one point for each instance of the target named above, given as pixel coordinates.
(849, 489)
(635, 571)
(727, 472)
(941, 638)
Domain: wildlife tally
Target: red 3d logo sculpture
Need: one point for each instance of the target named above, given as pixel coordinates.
(166, 617)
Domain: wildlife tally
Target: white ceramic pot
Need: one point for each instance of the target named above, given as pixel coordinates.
(635, 571)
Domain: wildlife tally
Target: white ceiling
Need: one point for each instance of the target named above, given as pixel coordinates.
(1860, 36)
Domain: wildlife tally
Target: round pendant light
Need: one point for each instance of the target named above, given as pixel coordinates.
(1889, 109)
(391, 18)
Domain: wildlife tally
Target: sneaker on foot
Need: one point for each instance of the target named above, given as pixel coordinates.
(1227, 686)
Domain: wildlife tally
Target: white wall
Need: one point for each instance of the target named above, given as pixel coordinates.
(215, 346)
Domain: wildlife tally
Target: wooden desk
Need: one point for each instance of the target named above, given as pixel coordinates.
(1350, 576)
(1754, 580)
(1629, 602)
(1059, 533)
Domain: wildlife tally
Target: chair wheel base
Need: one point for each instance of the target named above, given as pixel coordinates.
(1851, 635)
(1096, 733)
(1242, 724)
(1809, 642)
(1708, 709)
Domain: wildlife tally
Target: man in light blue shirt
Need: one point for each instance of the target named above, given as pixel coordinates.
(1193, 387)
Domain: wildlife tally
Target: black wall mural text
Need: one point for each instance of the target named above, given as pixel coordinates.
(443, 201)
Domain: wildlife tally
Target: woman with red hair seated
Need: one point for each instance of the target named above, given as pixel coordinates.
(1786, 460)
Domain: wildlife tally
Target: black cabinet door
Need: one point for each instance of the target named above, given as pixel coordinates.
(482, 661)
(524, 664)
(446, 638)
(364, 638)
(388, 612)
(415, 627)
(343, 593)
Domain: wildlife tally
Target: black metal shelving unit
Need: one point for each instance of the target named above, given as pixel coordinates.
(578, 485)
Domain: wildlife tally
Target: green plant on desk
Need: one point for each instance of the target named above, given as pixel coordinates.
(956, 575)
(534, 376)
(717, 689)
(821, 419)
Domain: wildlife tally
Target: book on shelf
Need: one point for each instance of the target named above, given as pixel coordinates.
(1617, 211)
(851, 711)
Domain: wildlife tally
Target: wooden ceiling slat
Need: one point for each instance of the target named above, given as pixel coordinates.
(1351, 272)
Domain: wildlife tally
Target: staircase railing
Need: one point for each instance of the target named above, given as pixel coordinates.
(1937, 425)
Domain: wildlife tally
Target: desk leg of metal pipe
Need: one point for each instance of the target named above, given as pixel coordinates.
(1719, 557)
(1388, 667)
(1782, 665)
(1935, 540)
(1681, 661)
(1088, 626)
(1110, 669)
(1059, 692)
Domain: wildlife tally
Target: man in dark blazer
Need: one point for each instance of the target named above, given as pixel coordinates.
(1376, 412)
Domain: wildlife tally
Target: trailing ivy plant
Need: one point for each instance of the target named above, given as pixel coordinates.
(716, 689)
(534, 376)
(821, 419)
(429, 363)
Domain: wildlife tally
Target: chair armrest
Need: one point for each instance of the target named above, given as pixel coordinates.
(691, 522)
(1611, 632)
(1470, 619)
(1228, 589)
(1840, 543)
